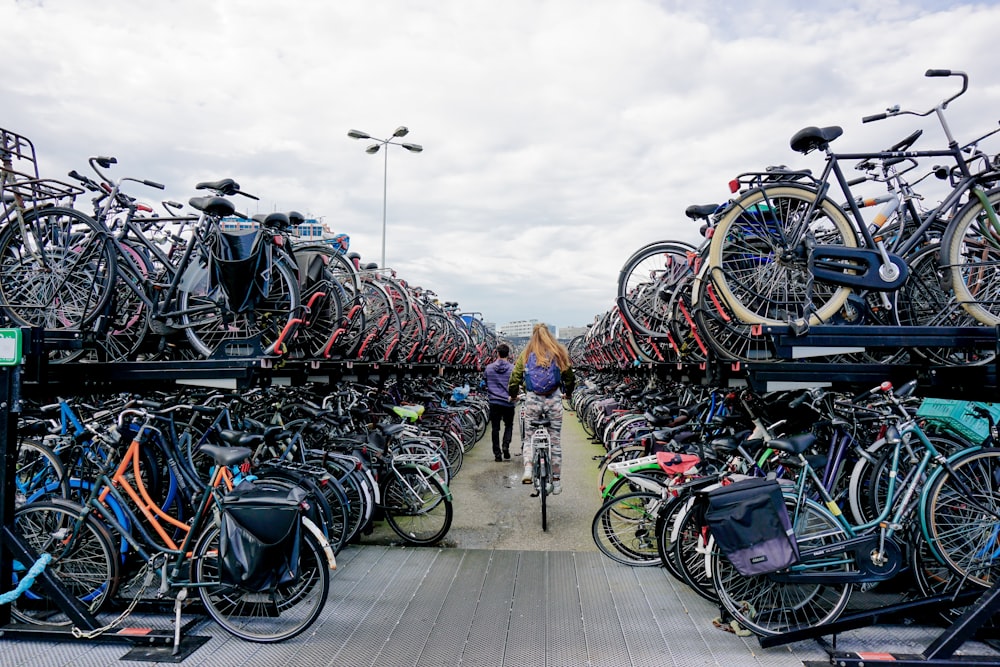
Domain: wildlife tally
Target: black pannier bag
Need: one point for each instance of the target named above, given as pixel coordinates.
(240, 267)
(750, 523)
(259, 539)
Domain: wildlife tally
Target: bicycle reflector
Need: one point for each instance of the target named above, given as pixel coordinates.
(734, 185)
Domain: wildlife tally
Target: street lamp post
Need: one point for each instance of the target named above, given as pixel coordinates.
(400, 132)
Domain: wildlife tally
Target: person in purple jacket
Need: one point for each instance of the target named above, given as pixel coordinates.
(501, 407)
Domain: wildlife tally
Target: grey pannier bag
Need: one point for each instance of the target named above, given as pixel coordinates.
(750, 523)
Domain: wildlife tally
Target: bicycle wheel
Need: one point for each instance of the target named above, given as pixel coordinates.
(690, 546)
(326, 498)
(381, 334)
(970, 252)
(354, 483)
(212, 328)
(923, 301)
(125, 322)
(417, 506)
(961, 516)
(624, 528)
(718, 326)
(646, 281)
(666, 521)
(870, 476)
(685, 333)
(39, 474)
(83, 560)
(264, 617)
(57, 269)
(760, 253)
(542, 480)
(769, 607)
(322, 296)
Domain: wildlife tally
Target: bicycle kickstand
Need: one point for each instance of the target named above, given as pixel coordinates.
(178, 602)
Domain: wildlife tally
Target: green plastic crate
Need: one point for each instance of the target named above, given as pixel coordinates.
(954, 415)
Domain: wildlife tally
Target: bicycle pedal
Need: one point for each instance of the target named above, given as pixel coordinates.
(534, 494)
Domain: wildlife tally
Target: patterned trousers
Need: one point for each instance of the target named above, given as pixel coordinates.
(535, 408)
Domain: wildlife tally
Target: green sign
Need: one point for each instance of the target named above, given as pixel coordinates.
(10, 347)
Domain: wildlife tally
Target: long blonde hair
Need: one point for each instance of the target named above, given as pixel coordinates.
(546, 348)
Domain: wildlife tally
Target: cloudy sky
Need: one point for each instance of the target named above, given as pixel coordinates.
(559, 135)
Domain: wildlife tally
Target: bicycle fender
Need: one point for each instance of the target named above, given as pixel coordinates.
(321, 538)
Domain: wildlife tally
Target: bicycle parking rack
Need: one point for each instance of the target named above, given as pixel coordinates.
(149, 644)
(978, 382)
(37, 376)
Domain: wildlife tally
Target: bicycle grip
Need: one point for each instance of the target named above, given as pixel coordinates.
(878, 116)
(154, 184)
(938, 72)
(798, 400)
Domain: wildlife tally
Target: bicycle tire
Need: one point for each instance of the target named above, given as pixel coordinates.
(924, 301)
(762, 277)
(731, 339)
(769, 607)
(63, 276)
(661, 264)
(685, 334)
(322, 296)
(212, 328)
(281, 613)
(85, 562)
(543, 488)
(359, 495)
(624, 528)
(125, 322)
(39, 473)
(423, 520)
(689, 552)
(960, 515)
(665, 524)
(971, 253)
(328, 503)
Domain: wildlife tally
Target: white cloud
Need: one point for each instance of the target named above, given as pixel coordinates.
(559, 136)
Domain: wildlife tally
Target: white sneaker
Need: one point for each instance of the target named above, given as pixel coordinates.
(556, 488)
(526, 477)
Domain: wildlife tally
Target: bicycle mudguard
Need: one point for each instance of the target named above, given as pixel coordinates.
(855, 267)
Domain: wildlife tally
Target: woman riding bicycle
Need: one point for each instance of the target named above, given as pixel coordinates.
(544, 369)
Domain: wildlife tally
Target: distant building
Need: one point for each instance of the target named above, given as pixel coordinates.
(518, 329)
(566, 334)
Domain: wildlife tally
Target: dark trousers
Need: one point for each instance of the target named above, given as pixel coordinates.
(498, 413)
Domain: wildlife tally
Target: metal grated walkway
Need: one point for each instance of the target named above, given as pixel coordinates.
(408, 606)
(393, 605)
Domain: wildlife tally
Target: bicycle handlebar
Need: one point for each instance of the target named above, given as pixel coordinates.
(895, 110)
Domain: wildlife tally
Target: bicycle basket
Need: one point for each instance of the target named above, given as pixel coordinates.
(750, 523)
(240, 269)
(259, 538)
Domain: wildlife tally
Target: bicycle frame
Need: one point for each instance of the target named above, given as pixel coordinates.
(884, 560)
